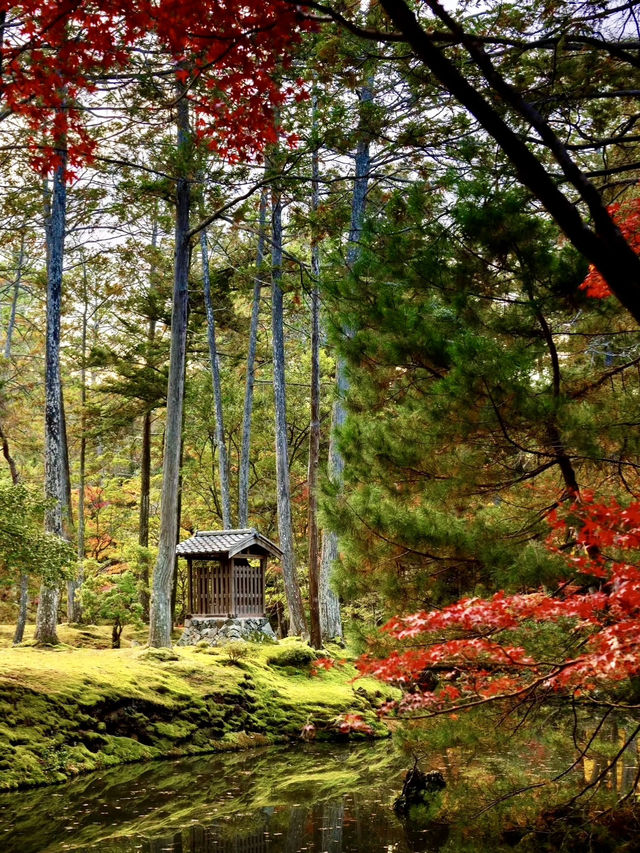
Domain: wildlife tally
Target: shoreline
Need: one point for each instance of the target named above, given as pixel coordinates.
(66, 711)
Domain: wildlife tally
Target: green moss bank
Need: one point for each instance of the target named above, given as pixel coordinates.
(65, 711)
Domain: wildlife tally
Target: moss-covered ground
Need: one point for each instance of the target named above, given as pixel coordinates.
(80, 636)
(67, 710)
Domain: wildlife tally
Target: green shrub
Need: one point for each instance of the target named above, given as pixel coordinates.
(236, 650)
(297, 656)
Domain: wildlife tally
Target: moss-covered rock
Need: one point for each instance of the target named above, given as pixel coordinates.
(67, 711)
(292, 653)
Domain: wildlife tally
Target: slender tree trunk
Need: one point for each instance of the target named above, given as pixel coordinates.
(145, 461)
(243, 483)
(23, 596)
(11, 462)
(23, 604)
(223, 463)
(3, 21)
(47, 614)
(67, 511)
(14, 300)
(74, 610)
(330, 616)
(285, 528)
(145, 485)
(330, 606)
(143, 530)
(174, 585)
(160, 616)
(314, 430)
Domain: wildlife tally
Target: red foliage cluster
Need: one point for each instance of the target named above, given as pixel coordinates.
(225, 52)
(468, 642)
(349, 723)
(324, 663)
(627, 218)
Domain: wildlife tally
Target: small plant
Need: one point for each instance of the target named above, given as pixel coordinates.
(236, 651)
(112, 598)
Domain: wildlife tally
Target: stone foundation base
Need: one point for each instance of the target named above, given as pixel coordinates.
(217, 630)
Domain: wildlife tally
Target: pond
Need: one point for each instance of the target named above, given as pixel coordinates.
(311, 798)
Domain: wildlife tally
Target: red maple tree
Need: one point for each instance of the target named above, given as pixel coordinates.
(627, 218)
(470, 642)
(226, 53)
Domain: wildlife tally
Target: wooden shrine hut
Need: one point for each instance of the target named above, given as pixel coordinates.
(226, 572)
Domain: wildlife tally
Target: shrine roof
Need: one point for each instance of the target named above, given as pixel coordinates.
(228, 543)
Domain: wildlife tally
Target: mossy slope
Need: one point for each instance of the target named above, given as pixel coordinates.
(65, 711)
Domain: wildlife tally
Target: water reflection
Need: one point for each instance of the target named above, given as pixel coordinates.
(305, 799)
(600, 771)
(318, 798)
(339, 826)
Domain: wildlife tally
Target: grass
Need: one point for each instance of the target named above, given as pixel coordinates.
(68, 710)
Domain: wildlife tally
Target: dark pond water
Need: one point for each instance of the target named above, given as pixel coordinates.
(306, 799)
(311, 798)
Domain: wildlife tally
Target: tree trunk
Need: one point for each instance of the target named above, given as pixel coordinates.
(67, 511)
(243, 482)
(174, 583)
(330, 616)
(14, 300)
(145, 461)
(47, 614)
(330, 606)
(285, 528)
(11, 462)
(74, 610)
(143, 530)
(223, 464)
(160, 616)
(23, 604)
(314, 429)
(23, 597)
(145, 484)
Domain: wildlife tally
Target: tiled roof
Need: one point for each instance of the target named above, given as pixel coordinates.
(227, 542)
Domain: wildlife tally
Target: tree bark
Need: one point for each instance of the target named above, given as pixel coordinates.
(145, 460)
(174, 583)
(243, 481)
(314, 428)
(145, 485)
(330, 605)
(67, 511)
(11, 462)
(23, 604)
(116, 633)
(74, 610)
(160, 616)
(47, 613)
(14, 300)
(223, 463)
(143, 529)
(285, 527)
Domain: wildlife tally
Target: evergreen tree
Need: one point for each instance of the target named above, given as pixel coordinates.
(476, 399)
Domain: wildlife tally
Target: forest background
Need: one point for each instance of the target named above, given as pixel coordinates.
(480, 386)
